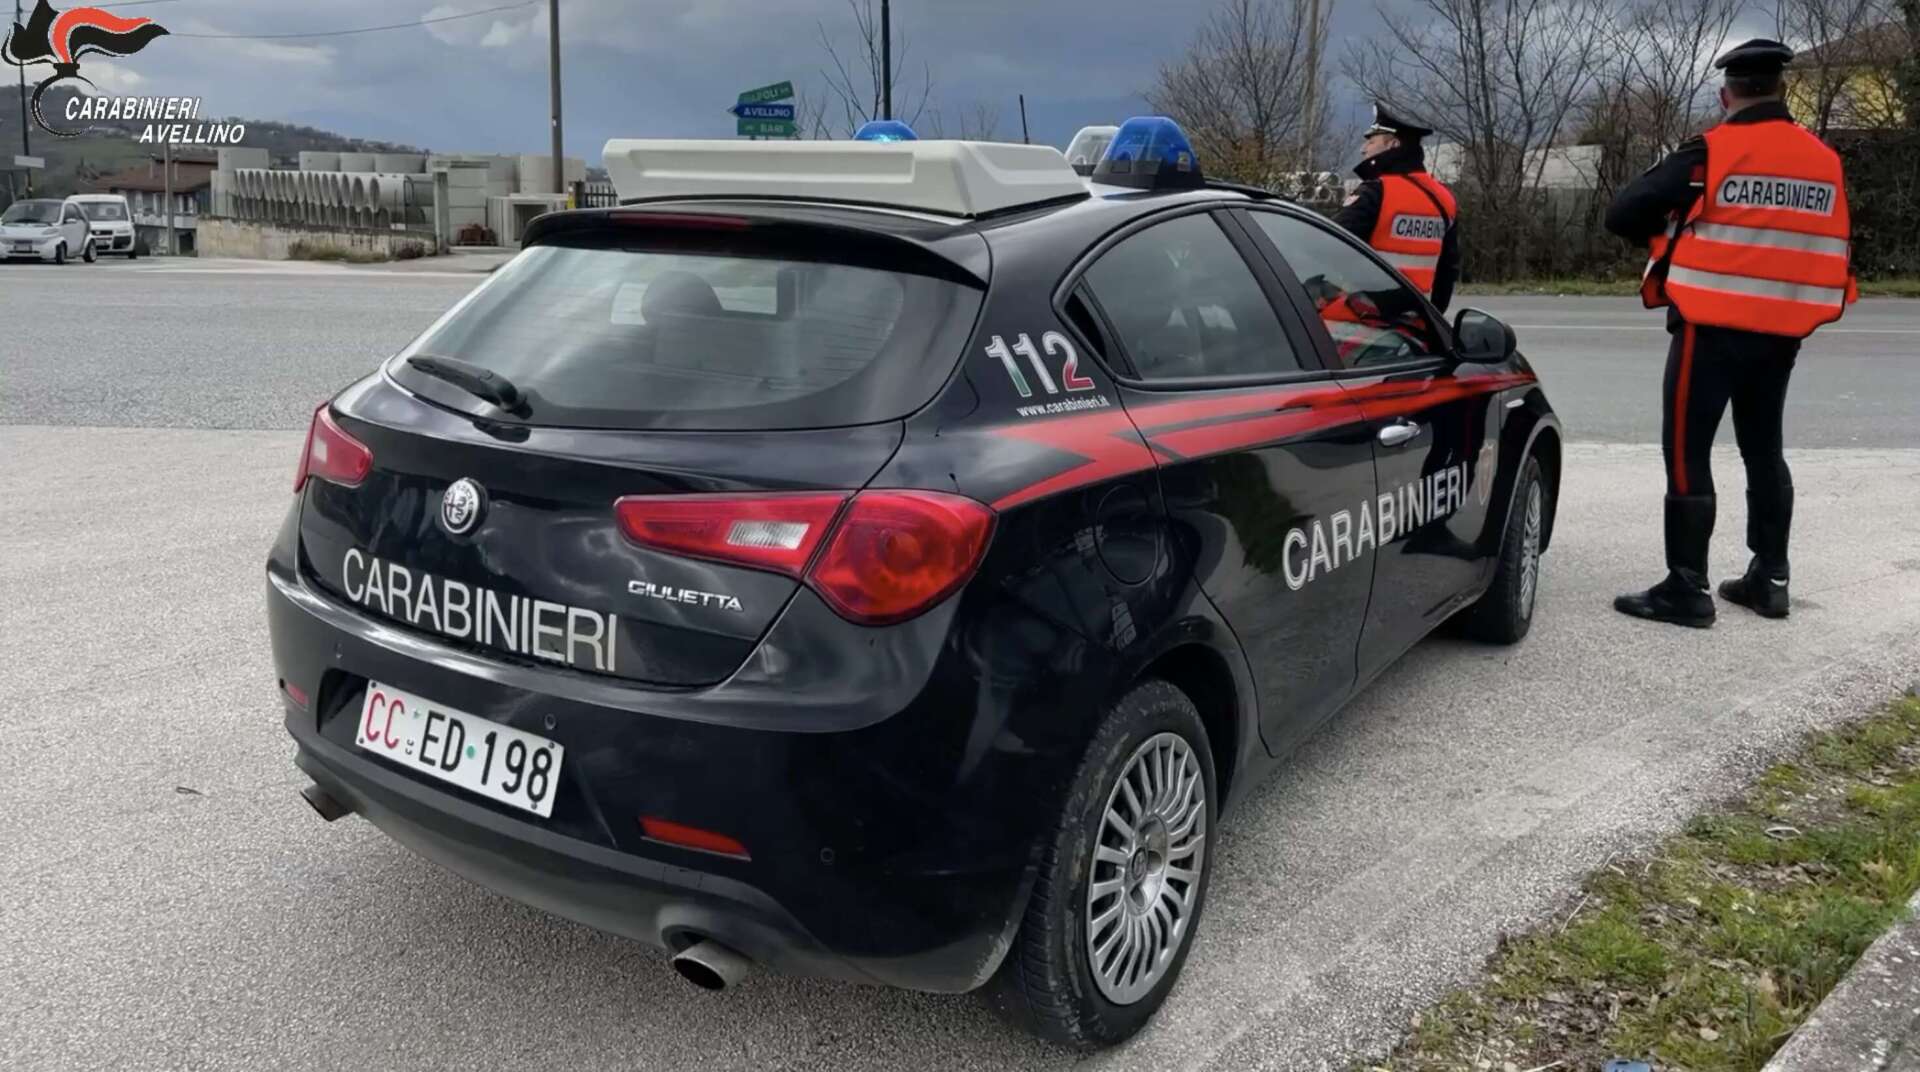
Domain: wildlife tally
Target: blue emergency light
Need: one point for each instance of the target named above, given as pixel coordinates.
(885, 130)
(1150, 152)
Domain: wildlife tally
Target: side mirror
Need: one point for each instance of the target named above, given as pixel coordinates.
(1482, 338)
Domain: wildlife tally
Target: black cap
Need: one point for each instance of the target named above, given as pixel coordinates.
(1385, 122)
(1760, 56)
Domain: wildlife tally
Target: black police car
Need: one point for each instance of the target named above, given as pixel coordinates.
(889, 561)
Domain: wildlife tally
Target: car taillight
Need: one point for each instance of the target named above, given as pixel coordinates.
(896, 553)
(772, 532)
(331, 454)
(887, 557)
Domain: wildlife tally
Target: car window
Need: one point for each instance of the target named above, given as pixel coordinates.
(1374, 318)
(686, 338)
(42, 212)
(1184, 304)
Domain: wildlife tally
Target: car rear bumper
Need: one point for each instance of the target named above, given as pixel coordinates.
(879, 854)
(647, 900)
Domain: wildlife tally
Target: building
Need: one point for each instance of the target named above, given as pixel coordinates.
(1851, 82)
(145, 189)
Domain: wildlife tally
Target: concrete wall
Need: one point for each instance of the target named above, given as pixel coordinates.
(271, 241)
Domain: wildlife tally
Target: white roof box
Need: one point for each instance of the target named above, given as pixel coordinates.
(960, 178)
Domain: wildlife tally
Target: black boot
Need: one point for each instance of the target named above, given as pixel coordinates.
(1763, 590)
(1682, 598)
(1677, 600)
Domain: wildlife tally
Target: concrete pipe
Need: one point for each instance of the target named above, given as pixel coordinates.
(386, 191)
(337, 189)
(399, 163)
(319, 161)
(356, 191)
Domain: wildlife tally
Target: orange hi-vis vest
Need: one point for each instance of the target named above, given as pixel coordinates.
(1767, 246)
(1415, 212)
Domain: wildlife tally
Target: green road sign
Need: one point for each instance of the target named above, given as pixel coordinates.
(766, 128)
(778, 91)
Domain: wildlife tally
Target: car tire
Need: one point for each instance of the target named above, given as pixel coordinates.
(88, 256)
(1052, 982)
(60, 253)
(1505, 613)
(133, 253)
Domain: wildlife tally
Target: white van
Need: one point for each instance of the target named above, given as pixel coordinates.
(110, 219)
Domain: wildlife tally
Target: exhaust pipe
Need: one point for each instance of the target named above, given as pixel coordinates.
(711, 966)
(327, 808)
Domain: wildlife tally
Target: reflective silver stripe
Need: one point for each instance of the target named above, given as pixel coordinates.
(1771, 238)
(1757, 288)
(1411, 262)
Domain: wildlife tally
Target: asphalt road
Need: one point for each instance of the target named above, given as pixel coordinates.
(166, 901)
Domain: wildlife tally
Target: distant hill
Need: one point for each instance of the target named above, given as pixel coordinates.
(110, 147)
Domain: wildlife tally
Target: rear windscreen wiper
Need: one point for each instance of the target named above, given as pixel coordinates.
(470, 378)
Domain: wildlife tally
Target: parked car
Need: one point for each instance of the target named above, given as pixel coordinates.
(46, 230)
(890, 562)
(111, 221)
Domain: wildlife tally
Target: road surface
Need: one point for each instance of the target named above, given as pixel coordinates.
(168, 902)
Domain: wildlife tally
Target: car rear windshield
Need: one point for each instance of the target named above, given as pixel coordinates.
(32, 212)
(672, 338)
(103, 210)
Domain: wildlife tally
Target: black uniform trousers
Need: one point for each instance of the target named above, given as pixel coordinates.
(1709, 368)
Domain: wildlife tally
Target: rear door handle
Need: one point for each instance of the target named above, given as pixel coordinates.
(1399, 433)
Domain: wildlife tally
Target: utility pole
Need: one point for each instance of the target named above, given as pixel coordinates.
(25, 148)
(886, 58)
(1309, 117)
(1024, 138)
(553, 67)
(167, 183)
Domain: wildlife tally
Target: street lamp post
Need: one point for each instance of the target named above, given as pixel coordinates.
(553, 66)
(25, 148)
(886, 58)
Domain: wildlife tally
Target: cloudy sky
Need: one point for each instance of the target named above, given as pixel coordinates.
(639, 67)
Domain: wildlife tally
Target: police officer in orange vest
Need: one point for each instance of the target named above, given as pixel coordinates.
(1749, 237)
(1403, 212)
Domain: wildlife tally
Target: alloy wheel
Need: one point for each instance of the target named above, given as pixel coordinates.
(1530, 549)
(1147, 861)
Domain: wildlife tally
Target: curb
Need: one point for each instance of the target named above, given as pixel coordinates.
(1871, 1021)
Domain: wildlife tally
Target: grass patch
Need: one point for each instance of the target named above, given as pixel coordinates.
(1709, 952)
(1897, 287)
(301, 250)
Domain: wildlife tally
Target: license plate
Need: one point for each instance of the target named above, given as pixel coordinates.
(23, 247)
(481, 756)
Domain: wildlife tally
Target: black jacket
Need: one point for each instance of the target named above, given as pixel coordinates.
(1642, 208)
(1362, 211)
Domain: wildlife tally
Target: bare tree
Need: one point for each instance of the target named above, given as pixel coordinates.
(978, 121)
(1848, 71)
(1502, 78)
(1652, 89)
(854, 73)
(1243, 89)
(810, 116)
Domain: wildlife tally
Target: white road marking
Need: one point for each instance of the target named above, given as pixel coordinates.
(1662, 328)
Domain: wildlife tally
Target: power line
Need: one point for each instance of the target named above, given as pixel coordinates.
(344, 33)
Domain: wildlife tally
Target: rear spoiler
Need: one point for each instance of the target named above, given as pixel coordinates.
(809, 230)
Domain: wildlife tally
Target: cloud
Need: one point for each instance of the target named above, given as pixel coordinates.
(111, 79)
(503, 34)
